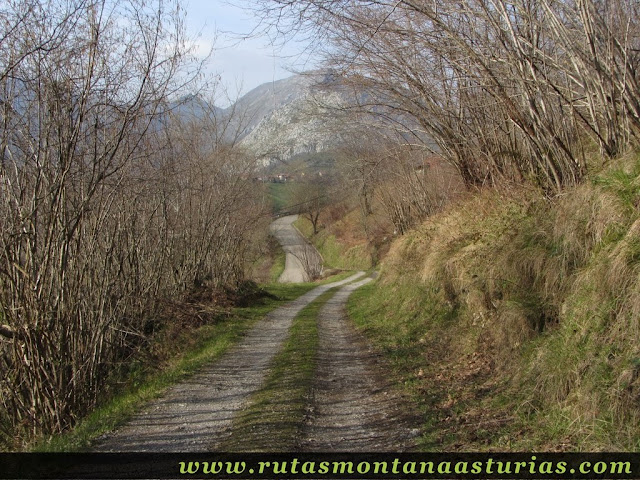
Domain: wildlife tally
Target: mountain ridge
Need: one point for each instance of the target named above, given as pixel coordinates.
(281, 119)
(289, 117)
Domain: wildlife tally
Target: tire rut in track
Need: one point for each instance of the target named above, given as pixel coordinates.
(354, 406)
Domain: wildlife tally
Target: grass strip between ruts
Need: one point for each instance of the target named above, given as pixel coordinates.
(275, 416)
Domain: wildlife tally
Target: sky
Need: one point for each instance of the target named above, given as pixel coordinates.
(241, 64)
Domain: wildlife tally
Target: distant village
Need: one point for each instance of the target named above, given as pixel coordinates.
(421, 163)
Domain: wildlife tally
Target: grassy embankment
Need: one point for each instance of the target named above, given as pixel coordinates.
(181, 357)
(514, 319)
(280, 195)
(338, 245)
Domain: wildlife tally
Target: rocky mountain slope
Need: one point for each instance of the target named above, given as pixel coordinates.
(278, 120)
(291, 117)
(300, 115)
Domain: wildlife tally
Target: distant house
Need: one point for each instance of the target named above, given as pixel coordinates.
(280, 178)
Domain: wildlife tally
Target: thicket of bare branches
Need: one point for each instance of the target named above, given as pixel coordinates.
(312, 196)
(108, 199)
(406, 182)
(509, 91)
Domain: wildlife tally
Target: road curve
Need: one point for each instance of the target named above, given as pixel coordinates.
(301, 258)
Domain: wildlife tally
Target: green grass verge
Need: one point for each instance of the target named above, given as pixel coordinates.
(275, 416)
(211, 342)
(304, 226)
(401, 320)
(336, 277)
(280, 194)
(514, 318)
(334, 253)
(278, 266)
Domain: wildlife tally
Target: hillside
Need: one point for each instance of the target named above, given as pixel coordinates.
(510, 316)
(261, 102)
(513, 318)
(296, 128)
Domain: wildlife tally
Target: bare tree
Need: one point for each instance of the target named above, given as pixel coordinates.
(310, 260)
(311, 197)
(109, 199)
(509, 91)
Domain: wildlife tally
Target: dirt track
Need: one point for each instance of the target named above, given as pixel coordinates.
(300, 256)
(353, 406)
(196, 415)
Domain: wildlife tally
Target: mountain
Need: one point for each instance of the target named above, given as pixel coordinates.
(289, 117)
(259, 103)
(194, 106)
(299, 116)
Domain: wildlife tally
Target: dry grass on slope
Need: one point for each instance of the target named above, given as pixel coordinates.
(533, 305)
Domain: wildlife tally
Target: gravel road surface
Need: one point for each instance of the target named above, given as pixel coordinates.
(300, 256)
(354, 407)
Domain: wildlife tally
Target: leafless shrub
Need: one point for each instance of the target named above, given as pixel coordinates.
(310, 260)
(108, 201)
(409, 183)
